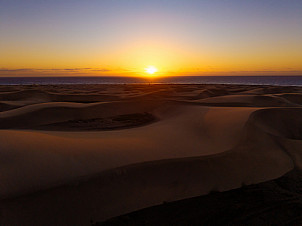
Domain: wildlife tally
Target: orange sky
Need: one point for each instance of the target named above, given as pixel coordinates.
(55, 38)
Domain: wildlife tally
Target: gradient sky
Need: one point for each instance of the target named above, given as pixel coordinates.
(179, 37)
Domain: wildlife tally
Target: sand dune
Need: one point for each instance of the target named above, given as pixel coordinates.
(152, 144)
(45, 113)
(275, 202)
(4, 106)
(292, 97)
(203, 134)
(247, 101)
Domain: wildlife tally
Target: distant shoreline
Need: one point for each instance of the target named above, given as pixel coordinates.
(233, 80)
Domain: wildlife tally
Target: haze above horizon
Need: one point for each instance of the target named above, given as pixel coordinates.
(177, 37)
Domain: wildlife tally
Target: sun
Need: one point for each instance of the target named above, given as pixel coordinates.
(151, 70)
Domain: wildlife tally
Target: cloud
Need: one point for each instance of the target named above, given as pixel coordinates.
(16, 70)
(102, 70)
(269, 71)
(51, 71)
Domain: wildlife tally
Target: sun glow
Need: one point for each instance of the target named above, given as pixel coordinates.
(151, 70)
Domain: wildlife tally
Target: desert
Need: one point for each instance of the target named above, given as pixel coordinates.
(87, 154)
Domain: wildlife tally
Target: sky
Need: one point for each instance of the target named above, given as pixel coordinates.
(178, 37)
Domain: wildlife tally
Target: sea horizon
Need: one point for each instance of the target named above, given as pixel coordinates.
(278, 80)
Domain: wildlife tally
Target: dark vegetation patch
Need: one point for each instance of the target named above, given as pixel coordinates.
(95, 124)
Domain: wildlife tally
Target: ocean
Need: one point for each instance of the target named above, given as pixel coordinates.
(241, 80)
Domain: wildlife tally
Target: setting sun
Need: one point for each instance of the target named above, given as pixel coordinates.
(151, 70)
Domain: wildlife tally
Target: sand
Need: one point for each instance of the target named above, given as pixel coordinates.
(275, 202)
(73, 154)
